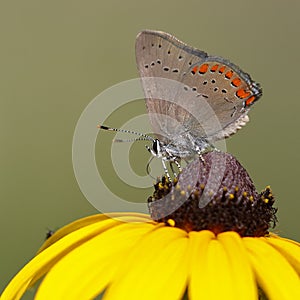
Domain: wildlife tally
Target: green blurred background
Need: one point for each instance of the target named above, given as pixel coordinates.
(56, 56)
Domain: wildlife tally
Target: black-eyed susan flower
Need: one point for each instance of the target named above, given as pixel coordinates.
(220, 251)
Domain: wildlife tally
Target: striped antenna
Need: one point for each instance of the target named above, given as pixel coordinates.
(130, 140)
(145, 137)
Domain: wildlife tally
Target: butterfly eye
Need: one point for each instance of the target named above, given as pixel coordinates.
(156, 146)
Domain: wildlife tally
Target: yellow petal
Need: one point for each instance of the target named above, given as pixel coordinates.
(273, 272)
(155, 269)
(41, 263)
(87, 270)
(289, 249)
(105, 222)
(120, 217)
(240, 270)
(199, 282)
(215, 271)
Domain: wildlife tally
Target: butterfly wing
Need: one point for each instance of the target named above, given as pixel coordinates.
(188, 91)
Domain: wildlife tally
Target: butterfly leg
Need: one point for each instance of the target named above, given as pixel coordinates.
(178, 165)
(176, 162)
(200, 152)
(201, 158)
(172, 169)
(166, 169)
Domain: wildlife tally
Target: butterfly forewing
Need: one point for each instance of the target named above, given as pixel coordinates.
(161, 56)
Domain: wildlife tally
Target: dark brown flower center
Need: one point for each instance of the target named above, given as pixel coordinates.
(216, 194)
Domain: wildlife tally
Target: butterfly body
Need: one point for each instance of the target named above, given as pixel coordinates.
(183, 146)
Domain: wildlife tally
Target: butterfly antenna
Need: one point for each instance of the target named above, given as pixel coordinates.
(145, 136)
(130, 140)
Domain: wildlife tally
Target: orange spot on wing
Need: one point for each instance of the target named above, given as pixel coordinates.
(203, 69)
(222, 69)
(214, 68)
(250, 100)
(229, 74)
(195, 69)
(236, 82)
(242, 94)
